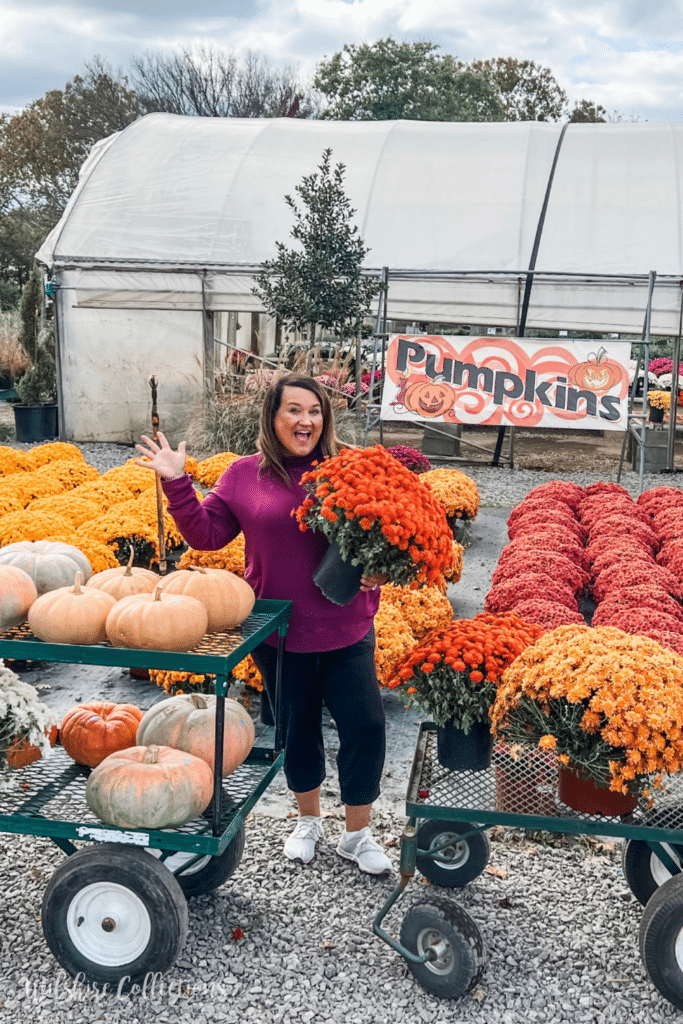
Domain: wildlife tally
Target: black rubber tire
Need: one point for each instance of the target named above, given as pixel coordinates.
(639, 862)
(454, 867)
(132, 891)
(661, 930)
(211, 871)
(461, 963)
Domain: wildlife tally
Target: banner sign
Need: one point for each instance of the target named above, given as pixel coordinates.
(520, 382)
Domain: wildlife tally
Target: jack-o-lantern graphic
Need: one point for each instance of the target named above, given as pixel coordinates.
(429, 398)
(597, 373)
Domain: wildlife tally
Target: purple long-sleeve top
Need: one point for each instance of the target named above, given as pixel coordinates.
(280, 558)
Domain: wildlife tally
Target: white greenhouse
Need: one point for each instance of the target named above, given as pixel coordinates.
(485, 224)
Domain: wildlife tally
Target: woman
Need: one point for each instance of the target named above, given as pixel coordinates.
(329, 650)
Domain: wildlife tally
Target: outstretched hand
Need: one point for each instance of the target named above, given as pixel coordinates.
(160, 457)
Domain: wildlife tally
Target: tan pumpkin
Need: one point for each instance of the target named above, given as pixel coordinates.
(149, 787)
(17, 594)
(71, 615)
(90, 732)
(247, 597)
(50, 564)
(125, 580)
(217, 590)
(157, 622)
(188, 722)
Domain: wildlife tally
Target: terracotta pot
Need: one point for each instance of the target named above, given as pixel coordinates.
(526, 785)
(139, 673)
(582, 794)
(22, 753)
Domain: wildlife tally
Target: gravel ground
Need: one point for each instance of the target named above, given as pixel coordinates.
(559, 922)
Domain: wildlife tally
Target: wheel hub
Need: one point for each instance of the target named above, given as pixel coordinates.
(108, 924)
(431, 940)
(454, 856)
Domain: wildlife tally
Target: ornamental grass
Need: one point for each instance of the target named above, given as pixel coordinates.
(381, 515)
(547, 614)
(411, 458)
(423, 610)
(457, 492)
(209, 471)
(608, 703)
(452, 673)
(525, 587)
(230, 557)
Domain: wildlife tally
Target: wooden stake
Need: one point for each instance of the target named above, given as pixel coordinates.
(153, 382)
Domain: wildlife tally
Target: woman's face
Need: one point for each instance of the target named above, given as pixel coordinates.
(298, 422)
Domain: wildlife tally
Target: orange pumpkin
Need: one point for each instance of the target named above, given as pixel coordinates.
(125, 580)
(227, 598)
(22, 753)
(188, 722)
(149, 787)
(429, 398)
(90, 732)
(71, 615)
(597, 374)
(17, 594)
(157, 622)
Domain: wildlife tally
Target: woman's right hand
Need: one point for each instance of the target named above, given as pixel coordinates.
(160, 457)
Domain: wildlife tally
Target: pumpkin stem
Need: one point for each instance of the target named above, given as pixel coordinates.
(197, 568)
(602, 352)
(151, 754)
(157, 593)
(129, 566)
(77, 583)
(198, 700)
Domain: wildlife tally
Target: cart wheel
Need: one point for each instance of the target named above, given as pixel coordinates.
(456, 940)
(458, 864)
(206, 874)
(661, 939)
(644, 871)
(114, 914)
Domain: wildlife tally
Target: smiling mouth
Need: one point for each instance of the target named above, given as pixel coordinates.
(302, 436)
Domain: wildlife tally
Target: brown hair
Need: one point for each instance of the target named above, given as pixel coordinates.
(272, 453)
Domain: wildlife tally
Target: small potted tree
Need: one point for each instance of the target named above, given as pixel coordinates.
(35, 414)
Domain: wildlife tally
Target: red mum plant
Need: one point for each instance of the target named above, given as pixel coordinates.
(547, 562)
(618, 556)
(548, 538)
(605, 487)
(381, 515)
(537, 505)
(669, 527)
(547, 614)
(411, 458)
(639, 621)
(673, 641)
(590, 514)
(645, 595)
(620, 526)
(628, 546)
(664, 516)
(531, 520)
(525, 587)
(452, 673)
(617, 577)
(658, 498)
(562, 490)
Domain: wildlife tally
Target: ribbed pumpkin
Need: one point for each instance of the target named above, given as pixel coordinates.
(157, 622)
(125, 580)
(149, 787)
(221, 592)
(71, 615)
(188, 722)
(17, 594)
(90, 732)
(50, 564)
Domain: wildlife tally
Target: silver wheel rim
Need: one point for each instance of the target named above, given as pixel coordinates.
(452, 857)
(660, 873)
(678, 949)
(432, 938)
(108, 924)
(175, 862)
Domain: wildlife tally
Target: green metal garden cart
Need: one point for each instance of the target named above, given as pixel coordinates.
(111, 912)
(445, 839)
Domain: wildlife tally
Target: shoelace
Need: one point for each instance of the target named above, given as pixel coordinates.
(366, 844)
(306, 829)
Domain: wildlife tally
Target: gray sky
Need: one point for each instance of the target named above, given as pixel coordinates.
(625, 54)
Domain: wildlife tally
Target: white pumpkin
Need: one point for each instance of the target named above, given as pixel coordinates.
(50, 564)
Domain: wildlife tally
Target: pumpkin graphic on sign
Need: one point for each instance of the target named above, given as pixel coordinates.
(429, 398)
(597, 374)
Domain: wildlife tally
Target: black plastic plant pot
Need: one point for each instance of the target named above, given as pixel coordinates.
(35, 422)
(339, 580)
(459, 751)
(656, 415)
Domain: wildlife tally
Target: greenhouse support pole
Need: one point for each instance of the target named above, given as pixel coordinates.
(646, 363)
(673, 408)
(380, 331)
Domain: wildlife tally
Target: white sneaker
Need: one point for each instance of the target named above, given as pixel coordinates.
(301, 844)
(362, 848)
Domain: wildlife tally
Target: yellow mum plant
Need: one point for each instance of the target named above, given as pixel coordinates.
(231, 557)
(458, 494)
(135, 478)
(394, 639)
(68, 506)
(52, 452)
(28, 525)
(67, 472)
(209, 470)
(423, 610)
(8, 504)
(12, 461)
(107, 493)
(659, 399)
(609, 703)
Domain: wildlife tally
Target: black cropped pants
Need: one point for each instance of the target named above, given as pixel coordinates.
(345, 681)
